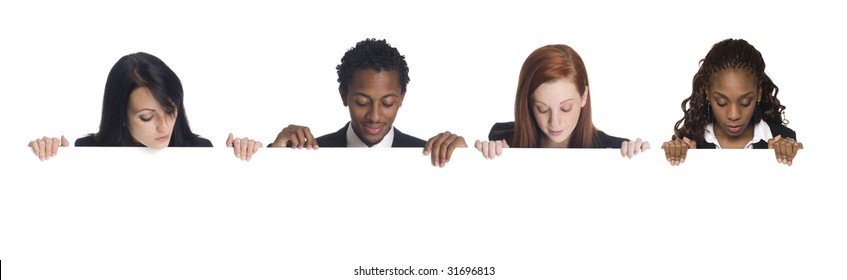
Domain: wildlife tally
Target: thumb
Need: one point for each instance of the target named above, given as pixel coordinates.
(229, 140)
(428, 147)
(463, 144)
(770, 142)
(688, 141)
(65, 142)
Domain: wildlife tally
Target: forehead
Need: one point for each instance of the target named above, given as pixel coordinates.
(555, 91)
(142, 98)
(375, 84)
(733, 82)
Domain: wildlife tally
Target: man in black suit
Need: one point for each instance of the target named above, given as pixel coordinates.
(372, 80)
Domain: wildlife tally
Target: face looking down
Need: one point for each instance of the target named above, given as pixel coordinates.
(733, 99)
(373, 99)
(148, 123)
(556, 105)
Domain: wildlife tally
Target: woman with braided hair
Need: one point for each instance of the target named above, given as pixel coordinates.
(733, 105)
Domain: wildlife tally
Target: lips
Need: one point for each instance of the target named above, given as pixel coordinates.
(734, 129)
(556, 132)
(373, 129)
(163, 138)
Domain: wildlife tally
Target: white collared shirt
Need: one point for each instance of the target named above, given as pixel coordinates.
(353, 140)
(760, 132)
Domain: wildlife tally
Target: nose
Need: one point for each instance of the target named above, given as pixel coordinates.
(555, 118)
(162, 123)
(734, 113)
(374, 114)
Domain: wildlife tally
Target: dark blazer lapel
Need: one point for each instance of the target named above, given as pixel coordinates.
(336, 139)
(402, 140)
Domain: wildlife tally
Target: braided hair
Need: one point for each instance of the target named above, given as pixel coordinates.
(728, 54)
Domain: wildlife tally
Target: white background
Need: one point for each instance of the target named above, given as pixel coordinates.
(253, 67)
(183, 213)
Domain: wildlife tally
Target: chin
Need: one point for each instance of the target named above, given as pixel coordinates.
(373, 141)
(558, 140)
(158, 147)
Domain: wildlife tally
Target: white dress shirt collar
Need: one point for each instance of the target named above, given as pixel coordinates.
(760, 132)
(353, 140)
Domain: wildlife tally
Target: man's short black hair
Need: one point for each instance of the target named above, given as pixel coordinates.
(376, 55)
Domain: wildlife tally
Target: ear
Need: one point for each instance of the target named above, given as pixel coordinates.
(584, 97)
(343, 93)
(706, 94)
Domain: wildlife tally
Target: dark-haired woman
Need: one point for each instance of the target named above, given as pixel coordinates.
(142, 106)
(733, 105)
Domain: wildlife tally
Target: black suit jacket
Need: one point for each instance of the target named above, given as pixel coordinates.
(505, 130)
(89, 141)
(338, 139)
(776, 129)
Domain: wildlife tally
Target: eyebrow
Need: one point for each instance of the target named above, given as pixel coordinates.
(566, 100)
(145, 109)
(560, 103)
(369, 97)
(742, 97)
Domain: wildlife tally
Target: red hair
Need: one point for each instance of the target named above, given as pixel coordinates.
(543, 65)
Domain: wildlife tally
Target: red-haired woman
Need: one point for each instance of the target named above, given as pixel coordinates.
(553, 109)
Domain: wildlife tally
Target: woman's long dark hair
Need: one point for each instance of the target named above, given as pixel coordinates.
(728, 54)
(141, 70)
